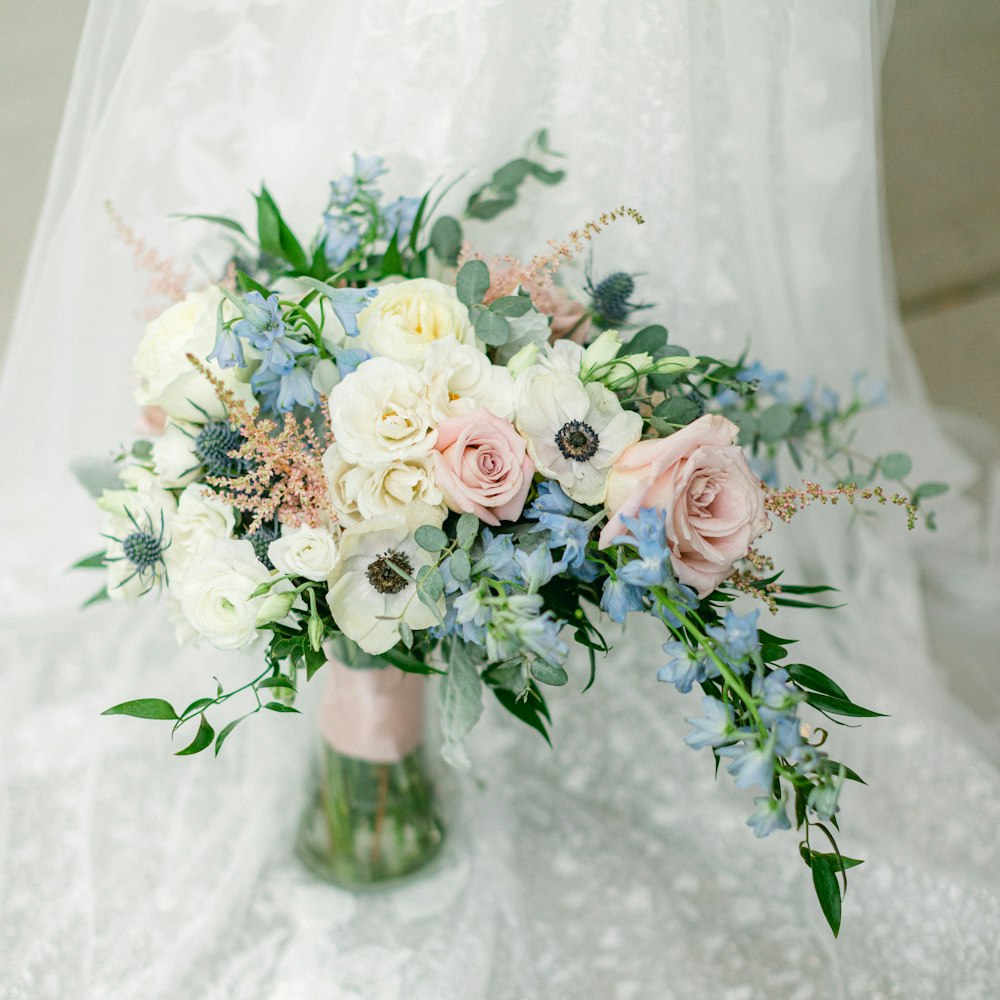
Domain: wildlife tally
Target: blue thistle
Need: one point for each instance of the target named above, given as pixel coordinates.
(261, 539)
(213, 444)
(611, 297)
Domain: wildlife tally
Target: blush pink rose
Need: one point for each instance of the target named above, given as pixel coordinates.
(712, 504)
(482, 467)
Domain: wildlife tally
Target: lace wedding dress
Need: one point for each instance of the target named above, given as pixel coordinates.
(613, 866)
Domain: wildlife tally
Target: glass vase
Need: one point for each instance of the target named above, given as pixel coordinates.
(372, 819)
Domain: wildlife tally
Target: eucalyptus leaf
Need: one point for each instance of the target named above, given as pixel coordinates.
(430, 539)
(492, 329)
(461, 703)
(446, 239)
(430, 586)
(461, 566)
(775, 422)
(512, 306)
(896, 465)
(96, 475)
(927, 490)
(678, 411)
(467, 531)
(472, 282)
(549, 673)
(648, 340)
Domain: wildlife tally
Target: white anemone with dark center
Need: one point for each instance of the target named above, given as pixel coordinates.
(368, 597)
(575, 431)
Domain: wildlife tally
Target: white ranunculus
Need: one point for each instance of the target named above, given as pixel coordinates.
(367, 598)
(341, 485)
(166, 377)
(461, 379)
(575, 432)
(202, 519)
(381, 412)
(307, 552)
(389, 488)
(174, 458)
(216, 591)
(404, 319)
(139, 528)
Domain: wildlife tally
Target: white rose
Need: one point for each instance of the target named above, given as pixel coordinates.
(367, 598)
(307, 552)
(166, 377)
(174, 458)
(461, 379)
(404, 319)
(380, 413)
(341, 485)
(215, 595)
(202, 518)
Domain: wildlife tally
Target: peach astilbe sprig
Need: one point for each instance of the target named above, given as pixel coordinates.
(539, 272)
(166, 279)
(786, 503)
(284, 463)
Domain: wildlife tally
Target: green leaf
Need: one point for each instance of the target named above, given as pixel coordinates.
(927, 490)
(95, 561)
(677, 411)
(101, 595)
(835, 766)
(218, 220)
(430, 586)
(392, 259)
(815, 680)
(491, 328)
(647, 340)
(512, 306)
(197, 706)
(472, 282)
(775, 422)
(277, 706)
(461, 702)
(467, 531)
(746, 422)
(226, 730)
(827, 891)
(841, 706)
(418, 222)
(276, 238)
(837, 862)
(278, 681)
(247, 284)
(142, 451)
(896, 465)
(407, 662)
(446, 239)
(430, 539)
(461, 566)
(491, 208)
(530, 710)
(549, 673)
(406, 635)
(202, 739)
(144, 708)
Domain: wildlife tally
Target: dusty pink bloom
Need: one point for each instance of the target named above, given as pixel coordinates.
(152, 421)
(712, 504)
(166, 280)
(481, 466)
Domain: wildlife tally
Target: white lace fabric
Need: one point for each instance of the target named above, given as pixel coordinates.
(613, 866)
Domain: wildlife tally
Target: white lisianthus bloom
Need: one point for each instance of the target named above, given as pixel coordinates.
(166, 377)
(139, 528)
(461, 379)
(367, 598)
(174, 458)
(575, 432)
(405, 318)
(307, 552)
(216, 599)
(381, 412)
(203, 517)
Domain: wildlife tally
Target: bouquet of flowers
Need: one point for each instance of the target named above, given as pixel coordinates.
(383, 449)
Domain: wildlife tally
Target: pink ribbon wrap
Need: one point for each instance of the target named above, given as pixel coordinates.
(375, 715)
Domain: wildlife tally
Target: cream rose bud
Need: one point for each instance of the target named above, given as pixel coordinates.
(381, 413)
(307, 552)
(166, 377)
(405, 318)
(216, 595)
(367, 597)
(712, 504)
(482, 466)
(461, 378)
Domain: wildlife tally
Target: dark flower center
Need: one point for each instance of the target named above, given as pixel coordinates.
(143, 549)
(261, 539)
(383, 576)
(212, 446)
(577, 441)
